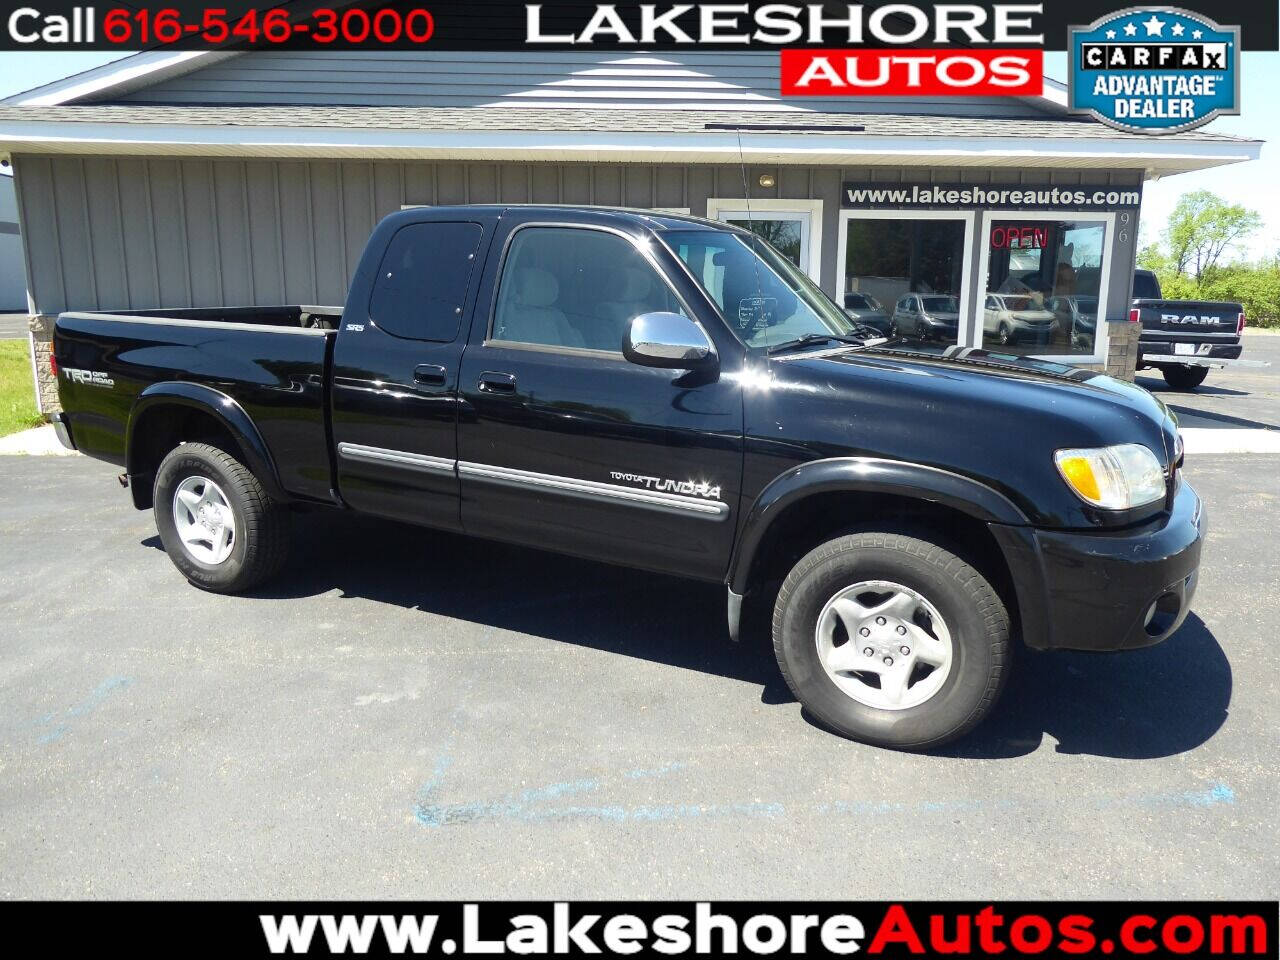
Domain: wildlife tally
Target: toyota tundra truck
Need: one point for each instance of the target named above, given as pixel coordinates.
(671, 394)
(1184, 338)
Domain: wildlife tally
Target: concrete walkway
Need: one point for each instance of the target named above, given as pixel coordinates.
(13, 326)
(1202, 440)
(38, 442)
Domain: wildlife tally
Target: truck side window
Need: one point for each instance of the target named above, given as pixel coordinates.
(575, 287)
(423, 279)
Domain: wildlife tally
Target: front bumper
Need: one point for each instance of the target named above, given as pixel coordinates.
(1114, 591)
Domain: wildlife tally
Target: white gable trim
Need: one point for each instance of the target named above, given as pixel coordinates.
(1155, 155)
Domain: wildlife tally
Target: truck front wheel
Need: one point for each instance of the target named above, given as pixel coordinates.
(1184, 377)
(891, 640)
(218, 525)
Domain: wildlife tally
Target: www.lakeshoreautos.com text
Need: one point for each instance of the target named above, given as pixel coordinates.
(704, 929)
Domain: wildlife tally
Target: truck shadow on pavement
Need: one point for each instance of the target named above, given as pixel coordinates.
(1188, 417)
(1136, 705)
(1156, 385)
(1156, 702)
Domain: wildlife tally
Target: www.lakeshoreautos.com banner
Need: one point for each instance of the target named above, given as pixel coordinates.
(1152, 930)
(1147, 68)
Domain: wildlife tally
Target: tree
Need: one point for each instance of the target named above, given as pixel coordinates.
(1202, 228)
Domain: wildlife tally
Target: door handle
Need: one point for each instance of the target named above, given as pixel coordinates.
(430, 374)
(494, 382)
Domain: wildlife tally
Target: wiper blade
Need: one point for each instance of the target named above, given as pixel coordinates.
(810, 338)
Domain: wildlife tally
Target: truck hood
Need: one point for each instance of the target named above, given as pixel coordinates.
(994, 417)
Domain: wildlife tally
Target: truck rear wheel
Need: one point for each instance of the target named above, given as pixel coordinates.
(891, 640)
(1184, 377)
(218, 525)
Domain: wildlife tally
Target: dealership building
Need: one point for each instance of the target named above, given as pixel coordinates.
(176, 179)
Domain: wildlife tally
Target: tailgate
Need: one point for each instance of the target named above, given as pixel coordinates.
(112, 366)
(1198, 320)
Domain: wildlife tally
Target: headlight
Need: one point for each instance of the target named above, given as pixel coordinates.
(1114, 478)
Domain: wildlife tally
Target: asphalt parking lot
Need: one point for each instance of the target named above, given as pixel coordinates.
(1241, 398)
(412, 714)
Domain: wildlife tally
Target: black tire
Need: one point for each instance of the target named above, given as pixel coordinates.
(973, 612)
(1183, 377)
(261, 540)
(1004, 334)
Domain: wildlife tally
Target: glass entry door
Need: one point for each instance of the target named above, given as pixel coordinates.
(788, 233)
(1045, 281)
(905, 274)
(792, 227)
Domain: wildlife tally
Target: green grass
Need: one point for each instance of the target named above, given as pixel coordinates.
(17, 390)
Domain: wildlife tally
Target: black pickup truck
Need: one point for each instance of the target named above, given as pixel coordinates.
(1184, 338)
(671, 394)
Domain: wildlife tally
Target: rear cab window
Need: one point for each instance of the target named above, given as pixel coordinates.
(422, 282)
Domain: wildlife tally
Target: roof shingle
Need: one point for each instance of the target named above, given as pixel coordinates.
(518, 119)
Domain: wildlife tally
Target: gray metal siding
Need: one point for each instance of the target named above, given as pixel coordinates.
(680, 79)
(120, 233)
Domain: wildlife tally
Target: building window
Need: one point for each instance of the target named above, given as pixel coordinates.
(792, 227)
(1045, 291)
(906, 274)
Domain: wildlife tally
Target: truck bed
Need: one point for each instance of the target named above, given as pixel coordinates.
(288, 315)
(270, 362)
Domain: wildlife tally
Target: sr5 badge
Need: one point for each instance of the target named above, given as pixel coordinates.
(1154, 70)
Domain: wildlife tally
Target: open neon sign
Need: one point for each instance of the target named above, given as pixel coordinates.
(1019, 238)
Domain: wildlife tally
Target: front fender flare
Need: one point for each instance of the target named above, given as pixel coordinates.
(222, 408)
(863, 475)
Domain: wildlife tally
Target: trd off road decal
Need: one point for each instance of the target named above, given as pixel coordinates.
(690, 488)
(91, 378)
(1154, 70)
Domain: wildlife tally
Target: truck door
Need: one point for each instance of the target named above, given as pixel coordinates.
(562, 441)
(395, 371)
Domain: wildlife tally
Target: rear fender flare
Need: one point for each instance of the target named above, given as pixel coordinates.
(863, 475)
(222, 408)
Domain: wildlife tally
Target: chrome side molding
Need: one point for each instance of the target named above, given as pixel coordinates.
(706, 508)
(594, 490)
(401, 458)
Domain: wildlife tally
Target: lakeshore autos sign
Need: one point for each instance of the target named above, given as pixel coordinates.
(1154, 70)
(994, 196)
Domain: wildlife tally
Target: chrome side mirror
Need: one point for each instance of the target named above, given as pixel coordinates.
(668, 340)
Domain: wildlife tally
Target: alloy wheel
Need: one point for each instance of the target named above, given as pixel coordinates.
(884, 644)
(205, 522)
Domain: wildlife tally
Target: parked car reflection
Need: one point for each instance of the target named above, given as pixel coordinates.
(1012, 318)
(1077, 320)
(866, 310)
(926, 317)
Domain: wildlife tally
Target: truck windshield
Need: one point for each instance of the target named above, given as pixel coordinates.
(764, 297)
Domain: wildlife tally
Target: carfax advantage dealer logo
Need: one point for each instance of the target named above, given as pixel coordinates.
(1154, 70)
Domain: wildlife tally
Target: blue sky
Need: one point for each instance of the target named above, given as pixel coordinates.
(1256, 185)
